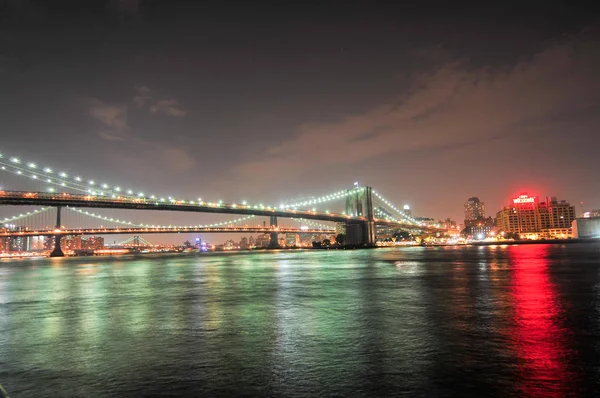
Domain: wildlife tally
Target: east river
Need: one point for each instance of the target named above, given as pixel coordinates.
(481, 321)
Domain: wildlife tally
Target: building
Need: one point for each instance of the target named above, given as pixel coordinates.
(73, 242)
(532, 219)
(263, 241)
(4, 244)
(474, 209)
(37, 243)
(229, 245)
(586, 228)
(406, 211)
(93, 243)
(480, 228)
(292, 240)
(244, 243)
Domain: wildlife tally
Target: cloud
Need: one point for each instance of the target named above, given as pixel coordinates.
(115, 128)
(113, 117)
(169, 107)
(449, 106)
(143, 96)
(177, 159)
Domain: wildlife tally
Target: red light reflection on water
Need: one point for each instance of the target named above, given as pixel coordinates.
(538, 339)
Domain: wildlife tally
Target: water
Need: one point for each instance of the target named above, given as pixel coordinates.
(491, 321)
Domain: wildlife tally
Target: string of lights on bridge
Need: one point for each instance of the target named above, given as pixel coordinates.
(393, 207)
(25, 215)
(129, 223)
(21, 216)
(63, 179)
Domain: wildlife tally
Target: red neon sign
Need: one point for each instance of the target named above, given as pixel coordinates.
(523, 199)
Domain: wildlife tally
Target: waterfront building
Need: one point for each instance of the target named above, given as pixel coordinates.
(4, 244)
(72, 242)
(586, 228)
(292, 240)
(244, 243)
(531, 218)
(92, 243)
(480, 228)
(428, 221)
(37, 243)
(263, 241)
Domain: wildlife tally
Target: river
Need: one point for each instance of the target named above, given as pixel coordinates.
(519, 320)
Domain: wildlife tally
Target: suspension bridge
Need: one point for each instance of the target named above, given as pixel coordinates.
(363, 210)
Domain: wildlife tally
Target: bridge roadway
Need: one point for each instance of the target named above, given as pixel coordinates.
(21, 198)
(139, 231)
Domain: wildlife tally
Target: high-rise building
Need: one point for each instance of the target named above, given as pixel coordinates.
(406, 211)
(474, 209)
(526, 215)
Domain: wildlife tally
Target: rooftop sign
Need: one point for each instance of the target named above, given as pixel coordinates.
(524, 199)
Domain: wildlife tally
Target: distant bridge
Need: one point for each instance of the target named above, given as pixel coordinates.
(173, 230)
(364, 208)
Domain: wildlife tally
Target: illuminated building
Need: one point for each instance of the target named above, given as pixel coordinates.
(263, 241)
(406, 211)
(72, 242)
(481, 228)
(19, 244)
(37, 243)
(529, 217)
(292, 240)
(229, 245)
(428, 221)
(4, 244)
(474, 209)
(93, 243)
(244, 243)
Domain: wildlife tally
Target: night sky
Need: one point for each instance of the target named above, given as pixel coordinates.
(270, 101)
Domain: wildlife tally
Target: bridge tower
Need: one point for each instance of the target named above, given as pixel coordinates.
(354, 202)
(274, 242)
(57, 252)
(360, 203)
(369, 231)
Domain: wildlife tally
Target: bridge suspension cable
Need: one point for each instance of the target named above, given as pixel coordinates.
(322, 199)
(385, 203)
(135, 241)
(141, 225)
(63, 179)
(22, 216)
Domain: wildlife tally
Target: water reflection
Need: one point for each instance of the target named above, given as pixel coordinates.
(425, 321)
(538, 338)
